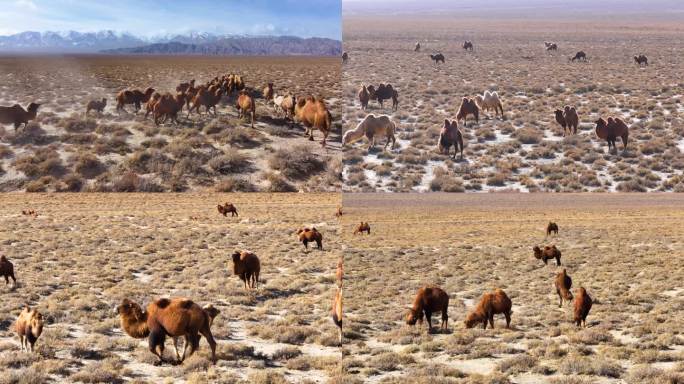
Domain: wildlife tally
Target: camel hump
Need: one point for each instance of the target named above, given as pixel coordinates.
(186, 304)
(163, 302)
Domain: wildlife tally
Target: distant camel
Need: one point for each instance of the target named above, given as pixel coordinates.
(227, 208)
(563, 283)
(641, 60)
(417, 48)
(364, 97)
(384, 92)
(437, 58)
(362, 227)
(550, 46)
(345, 57)
(567, 118)
(371, 127)
(546, 254)
(96, 105)
(551, 227)
(468, 45)
(449, 136)
(132, 96)
(611, 129)
(468, 107)
(579, 56)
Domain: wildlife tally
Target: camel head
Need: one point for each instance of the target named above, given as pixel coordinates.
(236, 257)
(601, 122)
(537, 252)
(33, 107)
(558, 113)
(414, 316)
(133, 319)
(471, 320)
(211, 312)
(35, 322)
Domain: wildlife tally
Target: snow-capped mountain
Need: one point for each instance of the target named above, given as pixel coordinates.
(67, 41)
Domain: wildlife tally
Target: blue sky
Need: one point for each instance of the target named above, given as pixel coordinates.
(305, 18)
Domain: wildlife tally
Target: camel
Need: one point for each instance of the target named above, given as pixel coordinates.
(579, 56)
(227, 208)
(339, 211)
(582, 305)
(611, 129)
(448, 136)
(437, 58)
(17, 115)
(641, 60)
(246, 106)
(372, 126)
(468, 107)
(550, 46)
(135, 97)
(337, 312)
(314, 114)
(306, 235)
(207, 97)
(567, 118)
(563, 283)
(384, 92)
(268, 92)
(284, 105)
(29, 327)
(364, 97)
(551, 227)
(339, 272)
(546, 254)
(149, 105)
(246, 265)
(96, 105)
(417, 48)
(7, 270)
(345, 57)
(183, 87)
(490, 304)
(468, 45)
(168, 106)
(490, 100)
(174, 317)
(427, 301)
(362, 227)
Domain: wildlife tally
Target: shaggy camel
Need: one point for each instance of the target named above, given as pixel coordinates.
(227, 208)
(611, 129)
(345, 57)
(29, 327)
(174, 317)
(468, 107)
(551, 227)
(7, 270)
(448, 136)
(490, 304)
(362, 227)
(17, 115)
(417, 48)
(313, 114)
(579, 56)
(548, 253)
(372, 126)
(641, 60)
(268, 92)
(168, 106)
(336, 312)
(468, 45)
(490, 100)
(135, 96)
(246, 265)
(437, 58)
(582, 304)
(427, 301)
(246, 106)
(567, 118)
(364, 97)
(208, 98)
(96, 105)
(563, 283)
(384, 92)
(149, 106)
(307, 235)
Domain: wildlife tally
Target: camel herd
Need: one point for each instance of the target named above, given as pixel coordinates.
(310, 111)
(177, 317)
(432, 299)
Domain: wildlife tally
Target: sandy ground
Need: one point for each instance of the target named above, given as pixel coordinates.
(202, 153)
(625, 249)
(525, 149)
(84, 253)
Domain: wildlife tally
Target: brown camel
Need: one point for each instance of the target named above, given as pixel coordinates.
(268, 92)
(7, 270)
(245, 106)
(96, 105)
(168, 106)
(362, 227)
(307, 236)
(227, 208)
(563, 283)
(29, 327)
(246, 265)
(449, 136)
(551, 227)
(384, 92)
(337, 312)
(490, 304)
(548, 253)
(174, 317)
(364, 97)
(134, 96)
(583, 305)
(468, 107)
(314, 114)
(611, 129)
(17, 116)
(427, 301)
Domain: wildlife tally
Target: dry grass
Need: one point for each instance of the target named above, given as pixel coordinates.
(510, 58)
(624, 249)
(109, 145)
(85, 252)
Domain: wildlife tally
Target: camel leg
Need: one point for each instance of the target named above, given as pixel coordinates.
(558, 263)
(156, 339)
(319, 245)
(206, 332)
(560, 305)
(21, 341)
(491, 320)
(428, 317)
(192, 340)
(306, 244)
(508, 319)
(175, 347)
(445, 319)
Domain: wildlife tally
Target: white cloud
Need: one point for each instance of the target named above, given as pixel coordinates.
(27, 4)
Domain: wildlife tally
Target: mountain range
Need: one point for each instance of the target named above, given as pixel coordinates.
(195, 43)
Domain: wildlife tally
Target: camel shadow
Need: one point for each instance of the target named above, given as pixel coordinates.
(276, 293)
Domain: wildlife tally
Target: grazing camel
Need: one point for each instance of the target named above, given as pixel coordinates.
(468, 107)
(362, 227)
(246, 106)
(563, 283)
(611, 129)
(307, 235)
(364, 97)
(384, 92)
(582, 304)
(96, 105)
(345, 57)
(336, 312)
(490, 100)
(551, 227)
(417, 48)
(448, 136)
(134, 96)
(579, 56)
(548, 253)
(227, 208)
(268, 92)
(7, 270)
(468, 45)
(313, 114)
(550, 46)
(246, 265)
(427, 301)
(372, 126)
(174, 317)
(29, 327)
(437, 58)
(17, 116)
(490, 304)
(641, 60)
